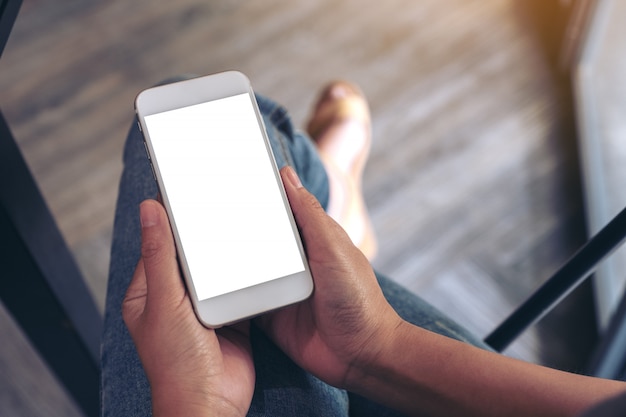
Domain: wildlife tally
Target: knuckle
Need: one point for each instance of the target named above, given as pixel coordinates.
(150, 249)
(314, 203)
(310, 202)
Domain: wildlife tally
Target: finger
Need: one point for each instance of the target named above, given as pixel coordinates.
(319, 231)
(137, 287)
(135, 298)
(158, 253)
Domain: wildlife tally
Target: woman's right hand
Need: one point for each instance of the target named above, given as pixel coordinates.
(344, 325)
(349, 336)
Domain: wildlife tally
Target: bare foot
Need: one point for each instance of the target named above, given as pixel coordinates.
(341, 127)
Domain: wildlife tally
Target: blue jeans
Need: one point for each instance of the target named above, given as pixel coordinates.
(282, 388)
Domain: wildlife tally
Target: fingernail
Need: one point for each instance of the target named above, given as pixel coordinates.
(293, 177)
(148, 214)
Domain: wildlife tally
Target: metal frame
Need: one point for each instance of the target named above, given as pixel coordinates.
(8, 13)
(41, 286)
(563, 282)
(600, 204)
(609, 360)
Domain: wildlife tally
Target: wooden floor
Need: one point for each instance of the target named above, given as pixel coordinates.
(473, 179)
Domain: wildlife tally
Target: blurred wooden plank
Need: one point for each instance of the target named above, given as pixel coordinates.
(472, 182)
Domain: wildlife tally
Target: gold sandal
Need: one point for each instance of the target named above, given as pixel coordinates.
(335, 107)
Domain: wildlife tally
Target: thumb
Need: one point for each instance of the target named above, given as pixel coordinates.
(158, 253)
(324, 239)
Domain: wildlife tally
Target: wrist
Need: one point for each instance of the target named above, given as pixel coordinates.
(168, 400)
(372, 362)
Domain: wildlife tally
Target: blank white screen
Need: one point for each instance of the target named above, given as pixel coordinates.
(222, 191)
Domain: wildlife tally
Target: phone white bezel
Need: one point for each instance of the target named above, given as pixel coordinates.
(247, 302)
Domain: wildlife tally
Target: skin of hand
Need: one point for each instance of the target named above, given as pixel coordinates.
(345, 333)
(192, 370)
(349, 336)
(345, 323)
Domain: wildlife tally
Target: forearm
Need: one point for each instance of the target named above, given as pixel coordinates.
(421, 372)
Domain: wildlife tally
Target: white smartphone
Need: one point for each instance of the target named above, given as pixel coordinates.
(237, 242)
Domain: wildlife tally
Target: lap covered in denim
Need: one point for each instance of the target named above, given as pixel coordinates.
(282, 388)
